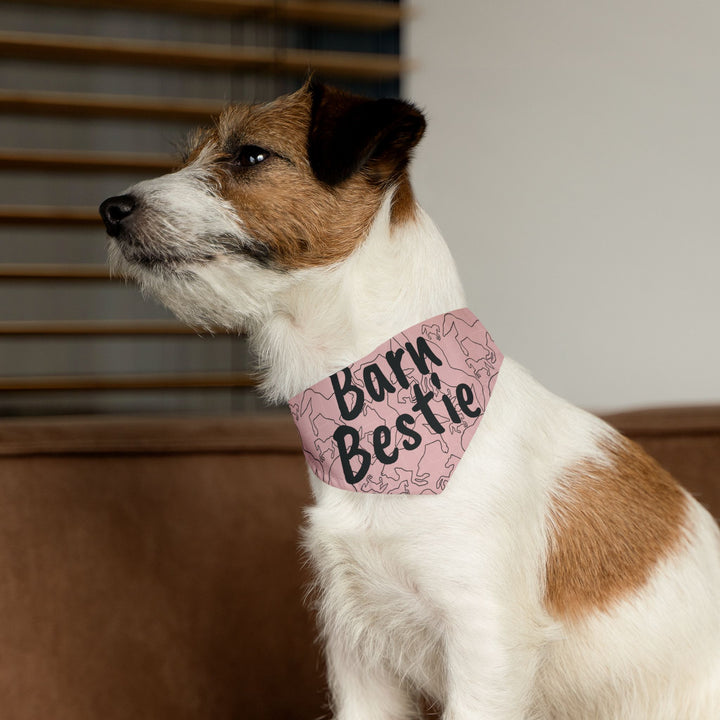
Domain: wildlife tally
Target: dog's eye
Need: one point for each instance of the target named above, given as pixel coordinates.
(250, 155)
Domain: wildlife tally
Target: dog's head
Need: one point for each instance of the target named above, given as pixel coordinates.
(269, 191)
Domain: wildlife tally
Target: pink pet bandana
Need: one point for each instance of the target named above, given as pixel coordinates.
(400, 419)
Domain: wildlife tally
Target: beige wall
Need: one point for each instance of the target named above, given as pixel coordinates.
(573, 163)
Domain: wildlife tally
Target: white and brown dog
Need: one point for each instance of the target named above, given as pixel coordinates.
(561, 573)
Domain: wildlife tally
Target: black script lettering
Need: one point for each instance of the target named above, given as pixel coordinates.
(349, 452)
(420, 354)
(381, 440)
(423, 406)
(402, 424)
(464, 398)
(393, 360)
(376, 392)
(340, 392)
(452, 412)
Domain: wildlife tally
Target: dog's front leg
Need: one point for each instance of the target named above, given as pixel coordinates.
(490, 666)
(360, 691)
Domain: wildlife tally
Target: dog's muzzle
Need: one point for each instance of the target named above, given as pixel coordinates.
(115, 211)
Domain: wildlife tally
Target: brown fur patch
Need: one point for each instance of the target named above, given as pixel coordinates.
(298, 220)
(609, 527)
(403, 203)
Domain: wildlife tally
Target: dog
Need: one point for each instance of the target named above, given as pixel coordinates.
(547, 568)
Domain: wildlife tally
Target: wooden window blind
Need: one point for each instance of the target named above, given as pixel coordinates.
(96, 95)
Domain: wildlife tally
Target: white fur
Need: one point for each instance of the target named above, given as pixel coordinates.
(443, 595)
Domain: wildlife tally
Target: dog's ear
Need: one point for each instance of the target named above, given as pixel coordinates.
(348, 133)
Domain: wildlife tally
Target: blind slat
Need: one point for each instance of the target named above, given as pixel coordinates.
(351, 14)
(49, 215)
(105, 328)
(107, 106)
(183, 381)
(47, 271)
(111, 51)
(83, 161)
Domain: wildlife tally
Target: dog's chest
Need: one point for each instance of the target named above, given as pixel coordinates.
(373, 588)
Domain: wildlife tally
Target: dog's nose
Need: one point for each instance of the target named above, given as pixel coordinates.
(114, 210)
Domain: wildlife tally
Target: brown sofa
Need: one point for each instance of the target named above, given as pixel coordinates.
(149, 568)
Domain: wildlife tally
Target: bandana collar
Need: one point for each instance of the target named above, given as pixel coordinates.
(399, 420)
